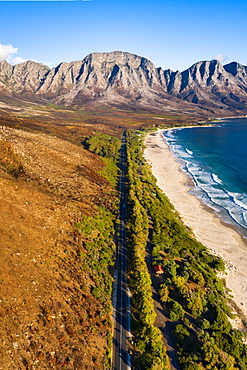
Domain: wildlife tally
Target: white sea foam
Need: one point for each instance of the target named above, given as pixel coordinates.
(239, 199)
(210, 188)
(189, 151)
(216, 178)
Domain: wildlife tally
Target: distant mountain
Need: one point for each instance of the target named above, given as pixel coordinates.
(22, 77)
(208, 83)
(120, 78)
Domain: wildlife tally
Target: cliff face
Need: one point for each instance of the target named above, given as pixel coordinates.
(116, 77)
(124, 78)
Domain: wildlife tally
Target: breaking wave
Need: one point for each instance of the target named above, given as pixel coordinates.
(230, 206)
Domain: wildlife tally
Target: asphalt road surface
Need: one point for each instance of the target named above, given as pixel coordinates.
(121, 297)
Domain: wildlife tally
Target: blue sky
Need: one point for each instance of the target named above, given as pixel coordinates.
(171, 33)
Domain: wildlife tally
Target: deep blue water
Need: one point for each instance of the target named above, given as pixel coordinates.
(216, 159)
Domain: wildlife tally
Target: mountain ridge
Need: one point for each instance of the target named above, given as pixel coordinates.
(122, 78)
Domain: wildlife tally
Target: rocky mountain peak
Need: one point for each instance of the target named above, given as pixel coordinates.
(117, 74)
(239, 72)
(6, 70)
(121, 58)
(123, 78)
(205, 73)
(4, 65)
(236, 69)
(25, 76)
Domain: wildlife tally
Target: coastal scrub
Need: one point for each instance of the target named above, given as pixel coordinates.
(191, 293)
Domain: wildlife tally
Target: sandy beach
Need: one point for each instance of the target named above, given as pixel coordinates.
(220, 239)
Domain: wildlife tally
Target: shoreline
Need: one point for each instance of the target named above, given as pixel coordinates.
(221, 239)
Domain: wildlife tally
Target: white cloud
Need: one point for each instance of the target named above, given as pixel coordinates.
(6, 51)
(221, 58)
(18, 60)
(48, 64)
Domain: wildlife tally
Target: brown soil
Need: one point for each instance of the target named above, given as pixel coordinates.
(48, 317)
(76, 123)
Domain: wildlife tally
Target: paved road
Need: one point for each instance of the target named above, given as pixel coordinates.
(121, 298)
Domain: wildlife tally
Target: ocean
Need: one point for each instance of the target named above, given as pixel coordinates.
(215, 158)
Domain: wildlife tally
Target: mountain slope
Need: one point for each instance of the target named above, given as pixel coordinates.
(111, 78)
(120, 78)
(50, 318)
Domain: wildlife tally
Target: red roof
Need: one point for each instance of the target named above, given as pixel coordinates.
(158, 268)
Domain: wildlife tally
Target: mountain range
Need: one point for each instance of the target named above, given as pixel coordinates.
(124, 79)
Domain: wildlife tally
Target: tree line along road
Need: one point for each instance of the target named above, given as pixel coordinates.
(121, 359)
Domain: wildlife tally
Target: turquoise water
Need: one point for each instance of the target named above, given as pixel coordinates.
(216, 159)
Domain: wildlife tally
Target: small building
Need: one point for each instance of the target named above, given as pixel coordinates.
(158, 269)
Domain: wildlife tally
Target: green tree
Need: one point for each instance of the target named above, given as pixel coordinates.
(176, 311)
(104, 145)
(163, 292)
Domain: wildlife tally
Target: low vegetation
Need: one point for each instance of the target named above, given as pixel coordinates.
(97, 232)
(108, 148)
(149, 352)
(191, 293)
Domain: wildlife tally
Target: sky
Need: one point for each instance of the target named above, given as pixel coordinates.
(171, 33)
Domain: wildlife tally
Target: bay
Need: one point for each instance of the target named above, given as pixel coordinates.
(215, 157)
